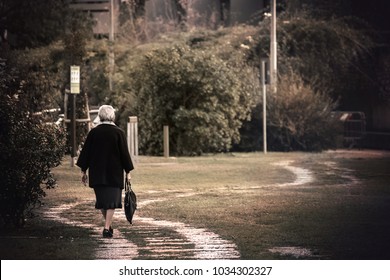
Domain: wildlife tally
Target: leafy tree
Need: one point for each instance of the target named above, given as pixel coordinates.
(319, 7)
(33, 23)
(72, 50)
(132, 20)
(324, 51)
(203, 99)
(29, 149)
(170, 16)
(40, 85)
(318, 55)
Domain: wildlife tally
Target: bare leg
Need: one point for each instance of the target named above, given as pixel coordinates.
(104, 213)
(108, 217)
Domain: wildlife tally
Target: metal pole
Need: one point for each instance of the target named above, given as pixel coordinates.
(73, 130)
(111, 39)
(74, 89)
(273, 49)
(263, 73)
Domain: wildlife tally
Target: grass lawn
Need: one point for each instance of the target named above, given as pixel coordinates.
(340, 212)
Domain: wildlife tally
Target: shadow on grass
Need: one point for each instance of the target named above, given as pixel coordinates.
(46, 240)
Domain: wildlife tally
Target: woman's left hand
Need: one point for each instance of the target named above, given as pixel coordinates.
(84, 179)
(128, 176)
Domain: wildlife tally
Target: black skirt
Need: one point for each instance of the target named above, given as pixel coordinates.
(108, 198)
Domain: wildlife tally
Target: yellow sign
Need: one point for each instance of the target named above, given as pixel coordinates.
(75, 79)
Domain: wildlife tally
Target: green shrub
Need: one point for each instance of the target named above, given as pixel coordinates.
(300, 118)
(29, 149)
(202, 98)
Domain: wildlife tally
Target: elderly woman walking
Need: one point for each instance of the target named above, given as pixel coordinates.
(106, 157)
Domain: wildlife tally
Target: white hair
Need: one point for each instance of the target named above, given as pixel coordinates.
(106, 113)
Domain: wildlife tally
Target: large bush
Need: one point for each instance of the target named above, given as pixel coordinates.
(29, 149)
(300, 118)
(202, 98)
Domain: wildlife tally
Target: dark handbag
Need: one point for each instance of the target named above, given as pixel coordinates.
(130, 202)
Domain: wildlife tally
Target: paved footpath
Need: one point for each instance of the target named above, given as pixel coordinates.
(185, 242)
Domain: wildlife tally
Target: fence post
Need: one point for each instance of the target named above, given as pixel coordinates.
(132, 137)
(166, 141)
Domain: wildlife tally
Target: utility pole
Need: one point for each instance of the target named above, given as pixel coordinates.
(273, 49)
(273, 74)
(111, 59)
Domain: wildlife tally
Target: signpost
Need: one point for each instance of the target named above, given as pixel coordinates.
(74, 89)
(74, 79)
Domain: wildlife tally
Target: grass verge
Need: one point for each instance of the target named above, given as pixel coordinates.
(339, 212)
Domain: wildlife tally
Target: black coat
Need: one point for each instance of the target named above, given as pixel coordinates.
(105, 155)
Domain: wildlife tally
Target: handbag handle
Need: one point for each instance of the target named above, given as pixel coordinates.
(127, 185)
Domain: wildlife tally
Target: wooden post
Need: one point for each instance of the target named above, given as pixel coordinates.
(166, 141)
(132, 137)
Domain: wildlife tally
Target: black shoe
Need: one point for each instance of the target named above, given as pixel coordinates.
(111, 230)
(107, 233)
